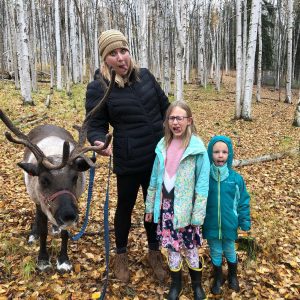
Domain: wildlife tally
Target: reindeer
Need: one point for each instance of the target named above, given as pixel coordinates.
(54, 165)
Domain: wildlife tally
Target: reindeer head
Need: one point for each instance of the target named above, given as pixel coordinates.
(55, 181)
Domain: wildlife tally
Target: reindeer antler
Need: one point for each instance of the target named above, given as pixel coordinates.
(37, 152)
(79, 149)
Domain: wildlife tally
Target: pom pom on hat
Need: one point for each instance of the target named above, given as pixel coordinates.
(110, 40)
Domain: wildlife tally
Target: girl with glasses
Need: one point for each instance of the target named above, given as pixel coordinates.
(177, 195)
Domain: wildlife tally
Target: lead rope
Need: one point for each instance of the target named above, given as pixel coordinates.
(106, 233)
(77, 236)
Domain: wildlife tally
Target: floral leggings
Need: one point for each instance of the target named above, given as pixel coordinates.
(191, 256)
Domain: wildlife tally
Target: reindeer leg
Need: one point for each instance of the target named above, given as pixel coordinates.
(34, 232)
(63, 264)
(43, 263)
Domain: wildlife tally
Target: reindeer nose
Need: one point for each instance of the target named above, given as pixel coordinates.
(68, 217)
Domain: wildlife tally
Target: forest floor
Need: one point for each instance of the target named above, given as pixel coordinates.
(271, 271)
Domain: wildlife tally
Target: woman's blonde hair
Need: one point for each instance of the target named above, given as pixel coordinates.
(190, 129)
(132, 68)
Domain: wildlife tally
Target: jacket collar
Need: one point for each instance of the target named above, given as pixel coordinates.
(196, 146)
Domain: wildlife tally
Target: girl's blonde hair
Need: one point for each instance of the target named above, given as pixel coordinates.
(190, 129)
(133, 70)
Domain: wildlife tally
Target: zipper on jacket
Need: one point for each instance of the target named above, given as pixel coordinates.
(219, 206)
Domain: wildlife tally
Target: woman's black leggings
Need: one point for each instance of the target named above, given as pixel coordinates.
(127, 188)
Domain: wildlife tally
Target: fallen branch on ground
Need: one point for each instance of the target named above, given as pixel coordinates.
(268, 157)
(34, 121)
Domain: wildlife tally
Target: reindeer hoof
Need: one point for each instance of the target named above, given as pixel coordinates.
(65, 266)
(32, 238)
(44, 265)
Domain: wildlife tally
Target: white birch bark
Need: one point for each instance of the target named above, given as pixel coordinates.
(288, 97)
(32, 48)
(180, 8)
(251, 49)
(201, 46)
(13, 32)
(67, 50)
(187, 61)
(245, 35)
(24, 68)
(143, 19)
(239, 60)
(58, 46)
(95, 38)
(259, 58)
(73, 43)
(166, 82)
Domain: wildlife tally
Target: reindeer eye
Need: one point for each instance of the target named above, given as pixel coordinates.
(44, 181)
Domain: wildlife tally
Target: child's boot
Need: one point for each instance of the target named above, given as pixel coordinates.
(196, 278)
(233, 282)
(176, 284)
(218, 280)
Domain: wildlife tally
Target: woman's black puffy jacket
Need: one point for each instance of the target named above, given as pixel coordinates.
(136, 113)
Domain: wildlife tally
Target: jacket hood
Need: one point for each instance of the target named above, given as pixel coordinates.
(227, 141)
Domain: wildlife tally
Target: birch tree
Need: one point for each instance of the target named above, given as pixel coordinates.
(239, 64)
(13, 33)
(259, 58)
(58, 45)
(74, 43)
(166, 81)
(32, 47)
(180, 8)
(288, 98)
(251, 49)
(143, 20)
(23, 54)
(201, 47)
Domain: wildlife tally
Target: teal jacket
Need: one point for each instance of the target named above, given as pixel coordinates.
(228, 200)
(191, 184)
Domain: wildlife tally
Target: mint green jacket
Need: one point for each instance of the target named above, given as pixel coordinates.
(191, 184)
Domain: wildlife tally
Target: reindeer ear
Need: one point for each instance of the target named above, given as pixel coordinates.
(31, 169)
(81, 165)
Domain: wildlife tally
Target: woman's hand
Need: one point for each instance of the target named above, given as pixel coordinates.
(148, 217)
(104, 152)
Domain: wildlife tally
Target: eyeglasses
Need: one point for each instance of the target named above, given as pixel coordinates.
(177, 118)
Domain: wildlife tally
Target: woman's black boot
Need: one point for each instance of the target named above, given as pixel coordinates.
(233, 282)
(176, 285)
(196, 278)
(218, 280)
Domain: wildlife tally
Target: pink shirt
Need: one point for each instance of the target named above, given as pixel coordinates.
(173, 157)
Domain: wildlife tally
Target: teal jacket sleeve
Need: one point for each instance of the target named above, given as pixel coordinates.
(243, 208)
(201, 189)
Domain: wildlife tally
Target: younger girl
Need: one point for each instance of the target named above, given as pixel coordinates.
(177, 195)
(227, 209)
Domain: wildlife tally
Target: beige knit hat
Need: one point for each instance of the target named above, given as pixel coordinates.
(110, 40)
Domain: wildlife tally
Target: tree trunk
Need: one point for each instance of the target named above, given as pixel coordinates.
(180, 8)
(22, 40)
(58, 46)
(246, 109)
(258, 86)
(239, 63)
(288, 97)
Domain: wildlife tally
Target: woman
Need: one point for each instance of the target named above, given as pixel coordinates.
(135, 109)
